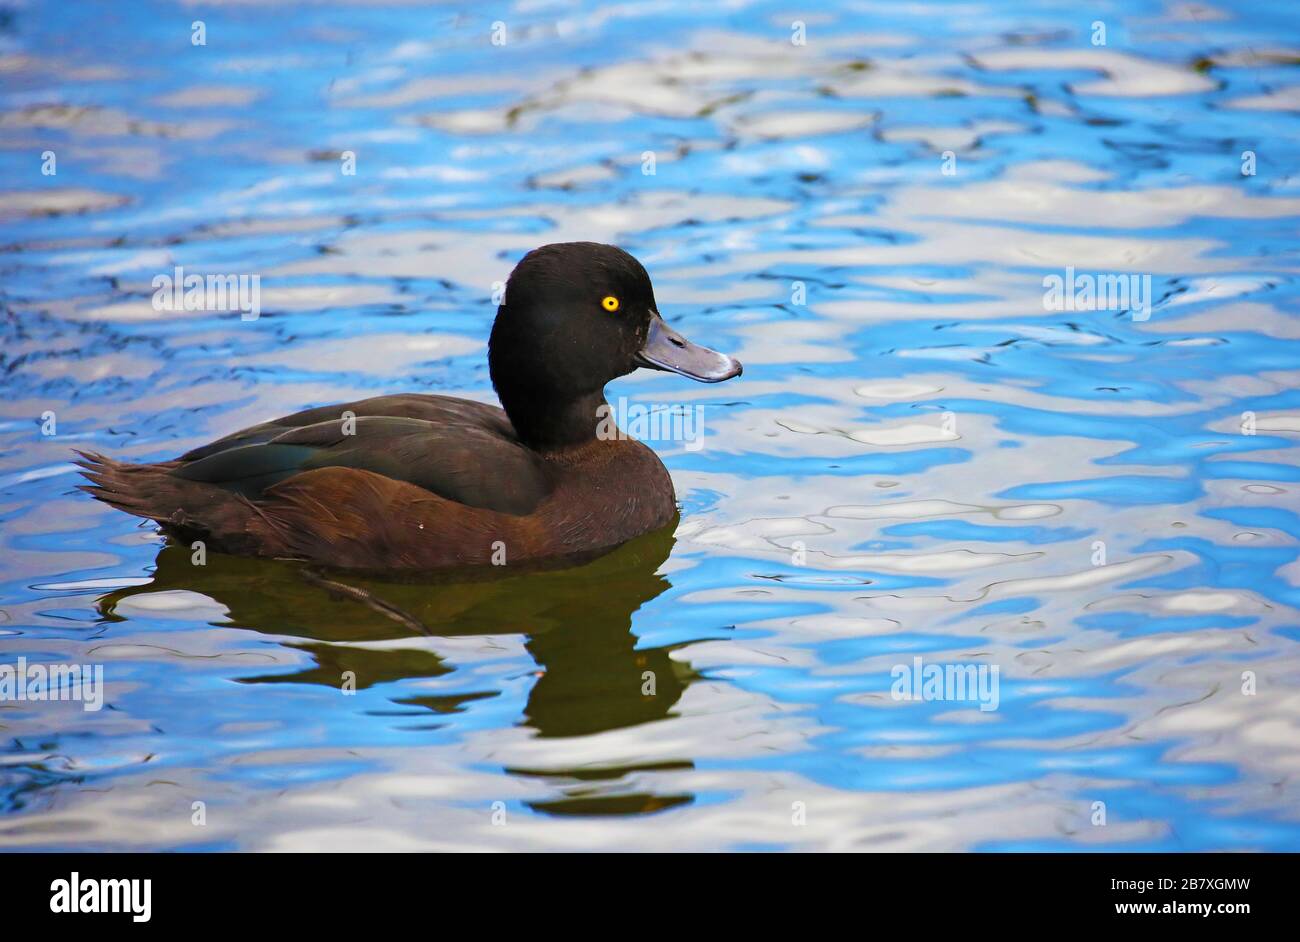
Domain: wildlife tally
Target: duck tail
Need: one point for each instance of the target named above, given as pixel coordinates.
(186, 510)
(145, 490)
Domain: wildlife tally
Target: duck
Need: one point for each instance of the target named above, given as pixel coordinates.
(418, 482)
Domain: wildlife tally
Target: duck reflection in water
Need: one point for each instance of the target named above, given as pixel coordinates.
(576, 623)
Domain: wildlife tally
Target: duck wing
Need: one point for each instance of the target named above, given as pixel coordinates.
(441, 410)
(460, 450)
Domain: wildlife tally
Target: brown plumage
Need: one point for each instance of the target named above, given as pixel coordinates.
(418, 482)
(357, 519)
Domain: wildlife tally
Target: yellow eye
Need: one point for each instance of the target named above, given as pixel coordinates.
(609, 303)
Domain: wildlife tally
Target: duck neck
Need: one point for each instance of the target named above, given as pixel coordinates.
(545, 423)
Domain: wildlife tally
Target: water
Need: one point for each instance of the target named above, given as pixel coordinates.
(920, 460)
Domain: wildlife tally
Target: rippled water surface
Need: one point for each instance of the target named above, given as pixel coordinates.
(920, 460)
